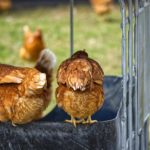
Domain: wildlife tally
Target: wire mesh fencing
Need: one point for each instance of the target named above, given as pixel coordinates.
(136, 70)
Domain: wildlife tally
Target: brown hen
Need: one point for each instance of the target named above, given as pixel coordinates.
(26, 92)
(33, 44)
(5, 5)
(101, 6)
(80, 87)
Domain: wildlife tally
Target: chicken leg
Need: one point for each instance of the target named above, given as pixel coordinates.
(13, 124)
(74, 121)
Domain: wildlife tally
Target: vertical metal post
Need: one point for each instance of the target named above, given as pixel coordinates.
(130, 59)
(142, 146)
(136, 147)
(71, 27)
(124, 74)
(146, 136)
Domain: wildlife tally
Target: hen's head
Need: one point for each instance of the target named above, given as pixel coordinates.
(38, 34)
(80, 54)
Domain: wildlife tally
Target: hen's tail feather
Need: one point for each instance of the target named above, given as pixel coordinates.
(46, 63)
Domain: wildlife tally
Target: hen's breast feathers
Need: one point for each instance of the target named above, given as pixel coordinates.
(80, 104)
(80, 73)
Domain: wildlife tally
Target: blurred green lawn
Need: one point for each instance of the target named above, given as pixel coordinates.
(99, 35)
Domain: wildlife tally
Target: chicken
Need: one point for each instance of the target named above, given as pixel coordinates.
(80, 87)
(33, 44)
(5, 5)
(101, 6)
(26, 92)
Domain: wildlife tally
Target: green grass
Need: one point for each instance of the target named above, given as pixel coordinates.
(99, 35)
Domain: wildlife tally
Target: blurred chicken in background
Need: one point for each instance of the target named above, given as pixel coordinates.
(33, 44)
(101, 6)
(5, 5)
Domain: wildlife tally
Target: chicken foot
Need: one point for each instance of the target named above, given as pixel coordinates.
(74, 121)
(13, 124)
(89, 121)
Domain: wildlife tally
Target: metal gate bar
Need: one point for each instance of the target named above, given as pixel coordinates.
(71, 27)
(136, 140)
(124, 73)
(146, 132)
(130, 66)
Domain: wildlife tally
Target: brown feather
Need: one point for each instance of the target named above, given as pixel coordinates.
(61, 73)
(79, 74)
(80, 104)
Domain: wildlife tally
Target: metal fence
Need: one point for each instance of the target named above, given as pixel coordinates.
(136, 70)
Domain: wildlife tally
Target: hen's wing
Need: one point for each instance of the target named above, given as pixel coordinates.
(9, 74)
(61, 73)
(79, 74)
(97, 72)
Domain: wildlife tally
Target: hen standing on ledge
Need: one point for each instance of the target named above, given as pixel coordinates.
(80, 87)
(26, 92)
